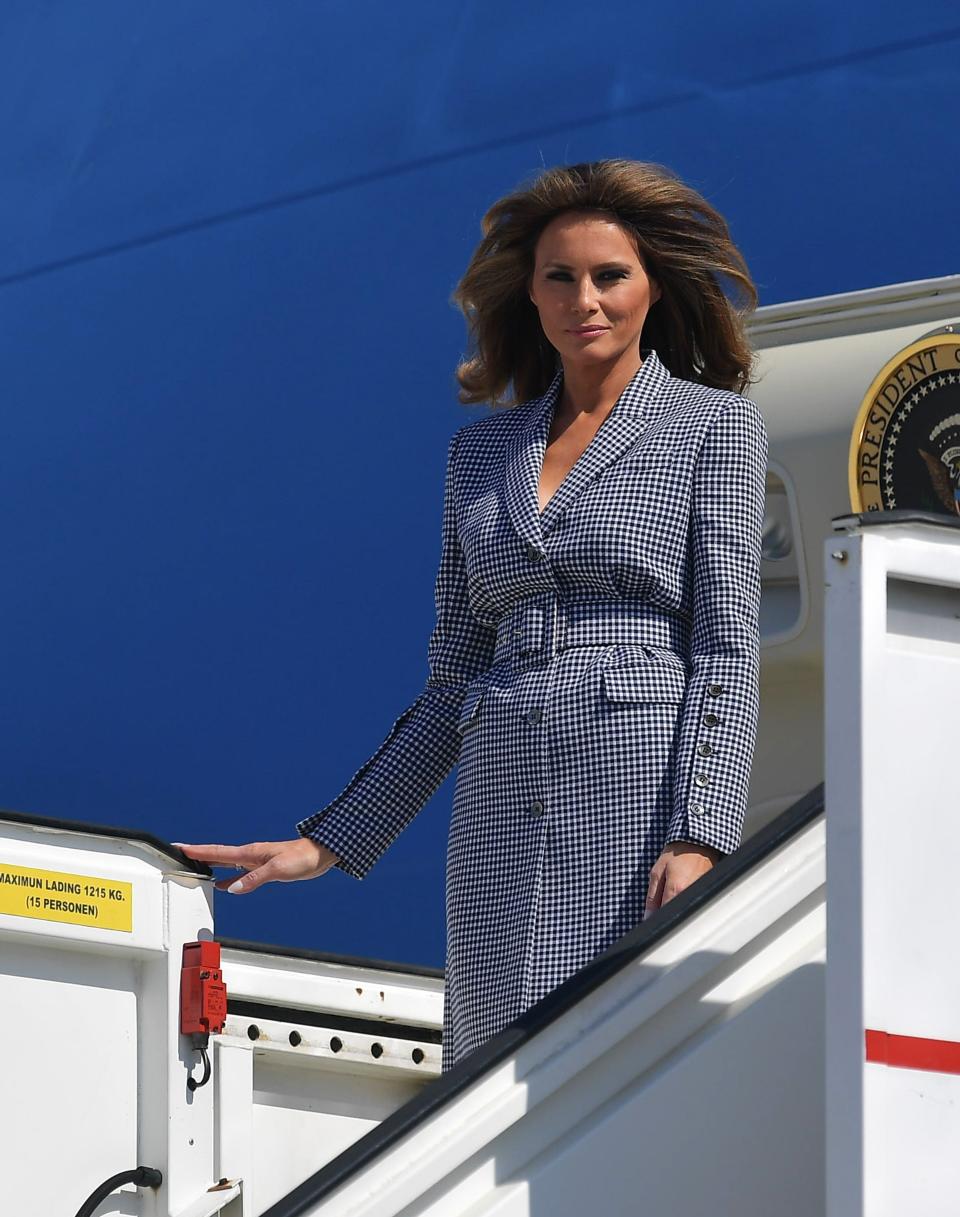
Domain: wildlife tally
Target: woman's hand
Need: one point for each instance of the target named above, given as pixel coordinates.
(264, 862)
(680, 864)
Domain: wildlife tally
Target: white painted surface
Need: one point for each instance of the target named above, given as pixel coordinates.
(94, 858)
(893, 663)
(95, 1069)
(817, 359)
(305, 1113)
(361, 991)
(68, 1118)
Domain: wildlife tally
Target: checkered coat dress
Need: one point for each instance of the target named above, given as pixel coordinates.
(593, 675)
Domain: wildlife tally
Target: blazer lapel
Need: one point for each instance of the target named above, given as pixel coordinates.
(524, 462)
(622, 427)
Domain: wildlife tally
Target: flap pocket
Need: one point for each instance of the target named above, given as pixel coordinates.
(470, 708)
(646, 682)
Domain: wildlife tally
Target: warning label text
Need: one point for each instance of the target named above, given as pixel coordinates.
(106, 904)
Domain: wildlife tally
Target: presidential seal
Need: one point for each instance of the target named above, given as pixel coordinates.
(905, 446)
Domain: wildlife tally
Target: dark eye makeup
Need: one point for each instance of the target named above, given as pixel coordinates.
(609, 274)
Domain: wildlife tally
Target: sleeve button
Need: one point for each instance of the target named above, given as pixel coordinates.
(696, 809)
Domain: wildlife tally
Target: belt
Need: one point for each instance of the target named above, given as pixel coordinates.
(540, 626)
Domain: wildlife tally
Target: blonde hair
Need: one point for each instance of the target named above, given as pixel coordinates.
(698, 332)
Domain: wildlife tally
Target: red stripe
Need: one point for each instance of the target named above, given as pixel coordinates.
(911, 1052)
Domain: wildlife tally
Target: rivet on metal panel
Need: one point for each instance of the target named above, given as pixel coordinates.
(417, 1055)
(376, 1049)
(295, 1038)
(336, 1043)
(840, 555)
(253, 1031)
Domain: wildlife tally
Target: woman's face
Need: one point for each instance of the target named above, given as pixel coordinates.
(591, 290)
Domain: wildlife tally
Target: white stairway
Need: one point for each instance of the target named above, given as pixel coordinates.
(733, 1055)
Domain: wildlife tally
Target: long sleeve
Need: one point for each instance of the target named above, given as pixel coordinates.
(421, 747)
(717, 728)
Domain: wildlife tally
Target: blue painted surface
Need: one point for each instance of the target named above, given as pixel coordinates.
(228, 236)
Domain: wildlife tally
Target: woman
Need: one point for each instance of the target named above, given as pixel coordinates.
(594, 667)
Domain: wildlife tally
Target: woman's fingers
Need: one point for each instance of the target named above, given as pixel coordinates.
(240, 857)
(655, 887)
(680, 864)
(264, 862)
(224, 885)
(222, 855)
(248, 882)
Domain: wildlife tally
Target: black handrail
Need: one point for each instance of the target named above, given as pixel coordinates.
(106, 830)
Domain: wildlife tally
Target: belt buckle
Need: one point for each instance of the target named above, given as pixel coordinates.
(537, 630)
(534, 631)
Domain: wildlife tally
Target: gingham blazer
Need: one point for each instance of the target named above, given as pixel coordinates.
(593, 673)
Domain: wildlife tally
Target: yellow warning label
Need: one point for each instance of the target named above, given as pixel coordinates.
(104, 904)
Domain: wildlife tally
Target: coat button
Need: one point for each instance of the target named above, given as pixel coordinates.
(705, 749)
(714, 690)
(696, 809)
(534, 715)
(710, 720)
(701, 779)
(533, 553)
(536, 808)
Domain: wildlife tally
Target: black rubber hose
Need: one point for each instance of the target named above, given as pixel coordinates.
(192, 1083)
(143, 1176)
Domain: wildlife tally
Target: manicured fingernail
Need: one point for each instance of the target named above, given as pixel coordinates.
(236, 887)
